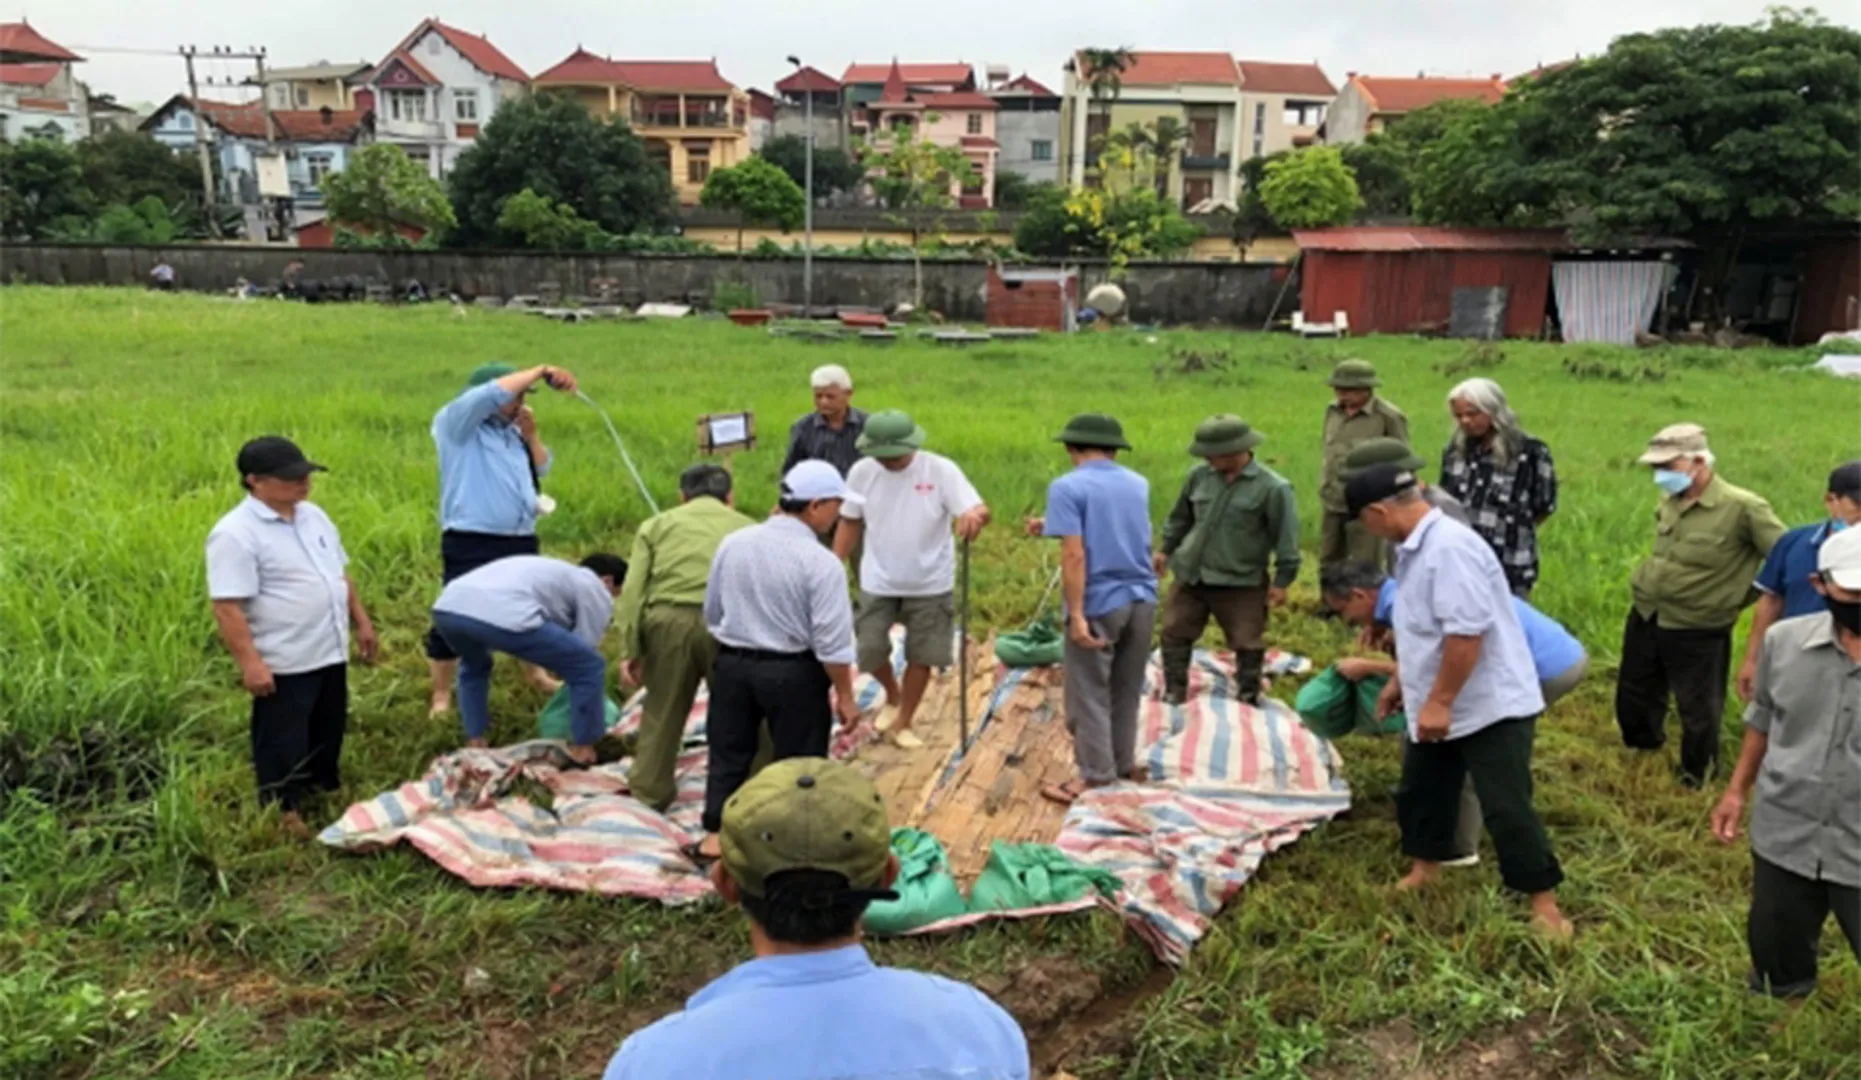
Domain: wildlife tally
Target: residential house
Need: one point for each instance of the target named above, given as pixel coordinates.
(1200, 91)
(762, 118)
(108, 114)
(961, 118)
(1370, 103)
(433, 92)
(40, 95)
(1282, 105)
(810, 92)
(692, 118)
(864, 84)
(1027, 125)
(321, 85)
(312, 144)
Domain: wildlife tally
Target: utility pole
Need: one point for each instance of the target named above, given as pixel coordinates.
(807, 188)
(221, 52)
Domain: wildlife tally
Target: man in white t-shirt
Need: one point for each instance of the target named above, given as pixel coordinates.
(908, 500)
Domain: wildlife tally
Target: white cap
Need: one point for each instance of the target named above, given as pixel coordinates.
(1839, 559)
(812, 481)
(830, 375)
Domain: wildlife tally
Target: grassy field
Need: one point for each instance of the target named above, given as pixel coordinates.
(152, 923)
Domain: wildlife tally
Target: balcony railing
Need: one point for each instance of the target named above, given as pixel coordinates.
(665, 114)
(413, 129)
(1193, 160)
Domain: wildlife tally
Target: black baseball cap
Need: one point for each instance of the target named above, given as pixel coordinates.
(1374, 484)
(275, 455)
(1845, 481)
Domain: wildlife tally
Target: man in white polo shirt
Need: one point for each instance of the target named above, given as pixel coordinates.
(904, 501)
(284, 604)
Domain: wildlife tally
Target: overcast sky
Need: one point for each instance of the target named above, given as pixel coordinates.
(749, 38)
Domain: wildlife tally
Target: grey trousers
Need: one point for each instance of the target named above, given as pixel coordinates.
(1467, 830)
(1103, 687)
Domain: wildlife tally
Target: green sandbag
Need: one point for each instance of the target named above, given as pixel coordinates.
(1332, 706)
(1040, 645)
(926, 891)
(1022, 876)
(555, 721)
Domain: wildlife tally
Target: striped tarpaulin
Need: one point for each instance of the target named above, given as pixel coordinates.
(1607, 301)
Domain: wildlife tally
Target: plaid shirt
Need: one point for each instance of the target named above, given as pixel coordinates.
(1504, 507)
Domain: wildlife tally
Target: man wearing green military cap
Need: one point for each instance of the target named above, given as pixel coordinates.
(1386, 451)
(1233, 516)
(1357, 414)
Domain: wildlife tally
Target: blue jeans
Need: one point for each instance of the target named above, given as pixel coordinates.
(548, 646)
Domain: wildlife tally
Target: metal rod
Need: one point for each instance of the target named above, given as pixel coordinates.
(962, 661)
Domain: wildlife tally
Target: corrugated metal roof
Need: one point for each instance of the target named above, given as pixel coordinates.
(1429, 238)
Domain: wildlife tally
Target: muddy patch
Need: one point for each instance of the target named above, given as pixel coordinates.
(1533, 1049)
(88, 768)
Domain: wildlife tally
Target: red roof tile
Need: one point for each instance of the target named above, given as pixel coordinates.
(46, 104)
(1171, 68)
(21, 38)
(980, 142)
(808, 80)
(1406, 95)
(1423, 238)
(246, 120)
(483, 55)
(307, 125)
(762, 106)
(406, 60)
(582, 66)
(895, 91)
(961, 99)
(1270, 78)
(1026, 84)
(915, 74)
(29, 74)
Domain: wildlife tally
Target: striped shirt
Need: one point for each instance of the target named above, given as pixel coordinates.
(775, 588)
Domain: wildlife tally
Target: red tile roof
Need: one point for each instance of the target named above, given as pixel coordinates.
(1406, 95)
(762, 106)
(980, 142)
(483, 55)
(234, 118)
(582, 66)
(808, 80)
(1028, 85)
(961, 99)
(1171, 68)
(21, 38)
(1422, 238)
(46, 104)
(307, 125)
(1542, 70)
(915, 74)
(406, 60)
(29, 74)
(1270, 78)
(895, 91)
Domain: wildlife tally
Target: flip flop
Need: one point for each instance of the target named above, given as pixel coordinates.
(1065, 794)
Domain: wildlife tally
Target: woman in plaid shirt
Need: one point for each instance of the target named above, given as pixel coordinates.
(1504, 477)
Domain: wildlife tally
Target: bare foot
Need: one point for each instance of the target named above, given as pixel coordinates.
(711, 847)
(440, 706)
(1547, 920)
(1420, 876)
(294, 825)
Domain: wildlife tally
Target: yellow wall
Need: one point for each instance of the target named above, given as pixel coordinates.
(727, 146)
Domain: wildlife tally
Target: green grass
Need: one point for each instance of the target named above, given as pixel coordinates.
(163, 927)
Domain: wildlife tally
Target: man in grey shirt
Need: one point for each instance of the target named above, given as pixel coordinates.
(541, 610)
(1466, 679)
(1803, 752)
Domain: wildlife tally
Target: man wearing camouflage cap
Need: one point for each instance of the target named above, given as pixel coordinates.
(806, 848)
(1234, 514)
(1710, 538)
(1357, 415)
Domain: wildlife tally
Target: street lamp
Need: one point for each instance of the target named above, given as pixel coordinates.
(807, 189)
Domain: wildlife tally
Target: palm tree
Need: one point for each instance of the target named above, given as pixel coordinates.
(1104, 71)
(1168, 138)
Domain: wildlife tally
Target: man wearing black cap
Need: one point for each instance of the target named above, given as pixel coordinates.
(806, 848)
(1465, 677)
(1786, 583)
(285, 605)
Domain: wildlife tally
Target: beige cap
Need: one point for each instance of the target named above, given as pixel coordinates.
(1675, 440)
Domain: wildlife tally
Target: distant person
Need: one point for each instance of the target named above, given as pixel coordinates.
(544, 611)
(806, 847)
(903, 503)
(664, 645)
(1503, 476)
(1786, 583)
(161, 277)
(1468, 685)
(1709, 540)
(1357, 414)
(777, 604)
(1802, 750)
(1232, 519)
(284, 602)
(831, 432)
(1100, 513)
(490, 462)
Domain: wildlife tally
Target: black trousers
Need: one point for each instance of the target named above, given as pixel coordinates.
(1785, 926)
(297, 733)
(1499, 760)
(1693, 665)
(788, 691)
(460, 553)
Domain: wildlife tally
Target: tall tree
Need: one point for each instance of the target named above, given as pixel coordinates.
(383, 189)
(834, 169)
(551, 145)
(1104, 72)
(759, 193)
(122, 167)
(916, 179)
(41, 186)
(1310, 189)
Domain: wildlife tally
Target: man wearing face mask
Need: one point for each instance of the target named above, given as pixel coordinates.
(1709, 540)
(1787, 582)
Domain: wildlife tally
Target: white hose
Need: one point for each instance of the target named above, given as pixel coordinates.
(622, 447)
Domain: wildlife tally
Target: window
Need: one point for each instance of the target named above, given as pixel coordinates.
(465, 106)
(1260, 121)
(319, 164)
(1196, 190)
(1202, 137)
(280, 96)
(184, 121)
(1260, 145)
(303, 97)
(974, 123)
(1304, 113)
(1040, 150)
(407, 104)
(697, 164)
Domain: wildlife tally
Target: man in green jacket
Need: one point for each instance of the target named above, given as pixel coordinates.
(1232, 516)
(1357, 415)
(664, 645)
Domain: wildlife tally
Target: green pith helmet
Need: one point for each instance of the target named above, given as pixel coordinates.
(1381, 451)
(1095, 430)
(890, 434)
(1224, 434)
(1354, 375)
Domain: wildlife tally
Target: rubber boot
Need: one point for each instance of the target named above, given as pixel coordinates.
(1247, 666)
(1176, 673)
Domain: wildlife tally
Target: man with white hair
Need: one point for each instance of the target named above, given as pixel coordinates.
(1504, 477)
(1709, 540)
(831, 432)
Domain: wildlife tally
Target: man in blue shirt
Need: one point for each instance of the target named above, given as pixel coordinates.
(1471, 690)
(806, 847)
(490, 464)
(1785, 582)
(1101, 514)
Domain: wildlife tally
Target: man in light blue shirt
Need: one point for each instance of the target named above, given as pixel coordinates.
(545, 611)
(1466, 674)
(490, 465)
(806, 847)
(1100, 512)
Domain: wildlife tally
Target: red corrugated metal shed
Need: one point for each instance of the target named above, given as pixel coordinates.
(1401, 279)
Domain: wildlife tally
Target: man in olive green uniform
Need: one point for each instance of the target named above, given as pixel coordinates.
(1709, 540)
(1358, 414)
(663, 641)
(1232, 516)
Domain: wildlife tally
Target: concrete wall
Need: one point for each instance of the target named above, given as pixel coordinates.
(829, 125)
(1347, 121)
(1016, 131)
(1239, 294)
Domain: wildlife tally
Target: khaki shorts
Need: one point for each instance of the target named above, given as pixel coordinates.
(930, 629)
